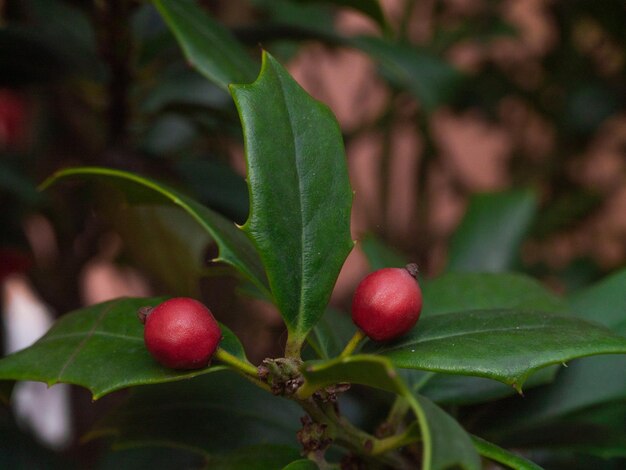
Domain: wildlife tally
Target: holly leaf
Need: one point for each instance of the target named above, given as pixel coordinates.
(432, 80)
(180, 242)
(369, 8)
(206, 414)
(504, 345)
(331, 334)
(379, 255)
(234, 247)
(208, 46)
(603, 302)
(300, 196)
(101, 348)
(490, 234)
(445, 443)
(571, 392)
(456, 292)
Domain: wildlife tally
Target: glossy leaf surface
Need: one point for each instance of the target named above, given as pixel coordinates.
(504, 345)
(490, 234)
(101, 348)
(234, 247)
(457, 292)
(445, 443)
(208, 46)
(588, 383)
(300, 196)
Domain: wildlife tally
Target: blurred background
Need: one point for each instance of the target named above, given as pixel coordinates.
(505, 118)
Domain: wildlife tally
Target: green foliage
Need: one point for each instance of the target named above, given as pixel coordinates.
(234, 247)
(505, 345)
(491, 232)
(190, 410)
(101, 348)
(300, 197)
(138, 102)
(437, 430)
(208, 46)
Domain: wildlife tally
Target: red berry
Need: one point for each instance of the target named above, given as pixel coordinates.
(181, 333)
(387, 303)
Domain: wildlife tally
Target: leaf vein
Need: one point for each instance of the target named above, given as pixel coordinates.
(81, 345)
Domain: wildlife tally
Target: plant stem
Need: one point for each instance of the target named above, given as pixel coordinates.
(359, 441)
(293, 347)
(397, 413)
(353, 343)
(382, 446)
(236, 363)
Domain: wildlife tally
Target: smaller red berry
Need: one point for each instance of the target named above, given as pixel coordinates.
(387, 303)
(181, 333)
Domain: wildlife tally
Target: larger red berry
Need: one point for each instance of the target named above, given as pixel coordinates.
(181, 333)
(387, 303)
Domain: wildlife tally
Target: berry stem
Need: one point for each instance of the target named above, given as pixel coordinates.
(412, 269)
(236, 363)
(397, 413)
(353, 343)
(383, 446)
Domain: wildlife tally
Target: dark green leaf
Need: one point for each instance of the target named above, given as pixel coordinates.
(208, 46)
(19, 450)
(603, 302)
(331, 334)
(504, 345)
(379, 255)
(101, 348)
(574, 391)
(457, 292)
(463, 390)
(432, 80)
(491, 232)
(302, 464)
(179, 241)
(218, 186)
(179, 85)
(445, 443)
(300, 196)
(370, 8)
(234, 247)
(216, 414)
(571, 392)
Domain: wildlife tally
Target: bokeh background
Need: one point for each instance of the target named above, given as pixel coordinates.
(495, 113)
